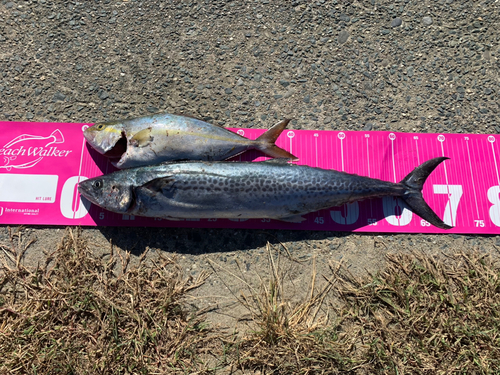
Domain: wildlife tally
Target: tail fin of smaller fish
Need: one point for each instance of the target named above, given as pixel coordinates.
(414, 183)
(266, 142)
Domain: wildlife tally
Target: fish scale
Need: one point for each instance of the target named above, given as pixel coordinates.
(271, 189)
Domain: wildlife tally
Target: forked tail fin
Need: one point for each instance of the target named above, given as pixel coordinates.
(414, 183)
(266, 142)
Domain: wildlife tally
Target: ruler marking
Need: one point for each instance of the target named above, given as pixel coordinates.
(446, 179)
(496, 165)
(393, 161)
(316, 141)
(369, 173)
(76, 202)
(472, 178)
(495, 161)
(392, 137)
(416, 147)
(368, 157)
(342, 153)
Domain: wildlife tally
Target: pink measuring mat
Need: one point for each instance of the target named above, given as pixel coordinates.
(42, 163)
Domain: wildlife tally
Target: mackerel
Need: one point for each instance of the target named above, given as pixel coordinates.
(272, 189)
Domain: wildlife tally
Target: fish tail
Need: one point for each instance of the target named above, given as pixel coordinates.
(266, 142)
(412, 195)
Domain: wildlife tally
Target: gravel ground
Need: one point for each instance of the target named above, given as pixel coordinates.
(423, 66)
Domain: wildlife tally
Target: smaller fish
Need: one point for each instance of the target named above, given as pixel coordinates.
(164, 137)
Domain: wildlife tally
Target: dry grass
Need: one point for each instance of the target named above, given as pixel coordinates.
(421, 315)
(285, 337)
(78, 314)
(425, 315)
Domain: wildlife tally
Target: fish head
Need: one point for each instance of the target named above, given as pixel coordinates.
(107, 138)
(110, 192)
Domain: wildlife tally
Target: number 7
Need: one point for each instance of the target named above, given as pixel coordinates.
(454, 193)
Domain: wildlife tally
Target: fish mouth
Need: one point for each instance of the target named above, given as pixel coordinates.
(116, 152)
(85, 190)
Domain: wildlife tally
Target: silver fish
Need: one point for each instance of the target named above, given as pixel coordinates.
(164, 137)
(272, 189)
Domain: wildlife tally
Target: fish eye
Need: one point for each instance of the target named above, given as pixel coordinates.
(100, 126)
(97, 184)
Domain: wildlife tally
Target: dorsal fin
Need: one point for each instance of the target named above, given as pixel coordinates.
(190, 115)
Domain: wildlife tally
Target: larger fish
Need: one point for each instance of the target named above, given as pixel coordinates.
(273, 190)
(165, 137)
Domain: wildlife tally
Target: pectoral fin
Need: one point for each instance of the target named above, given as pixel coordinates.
(164, 186)
(142, 138)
